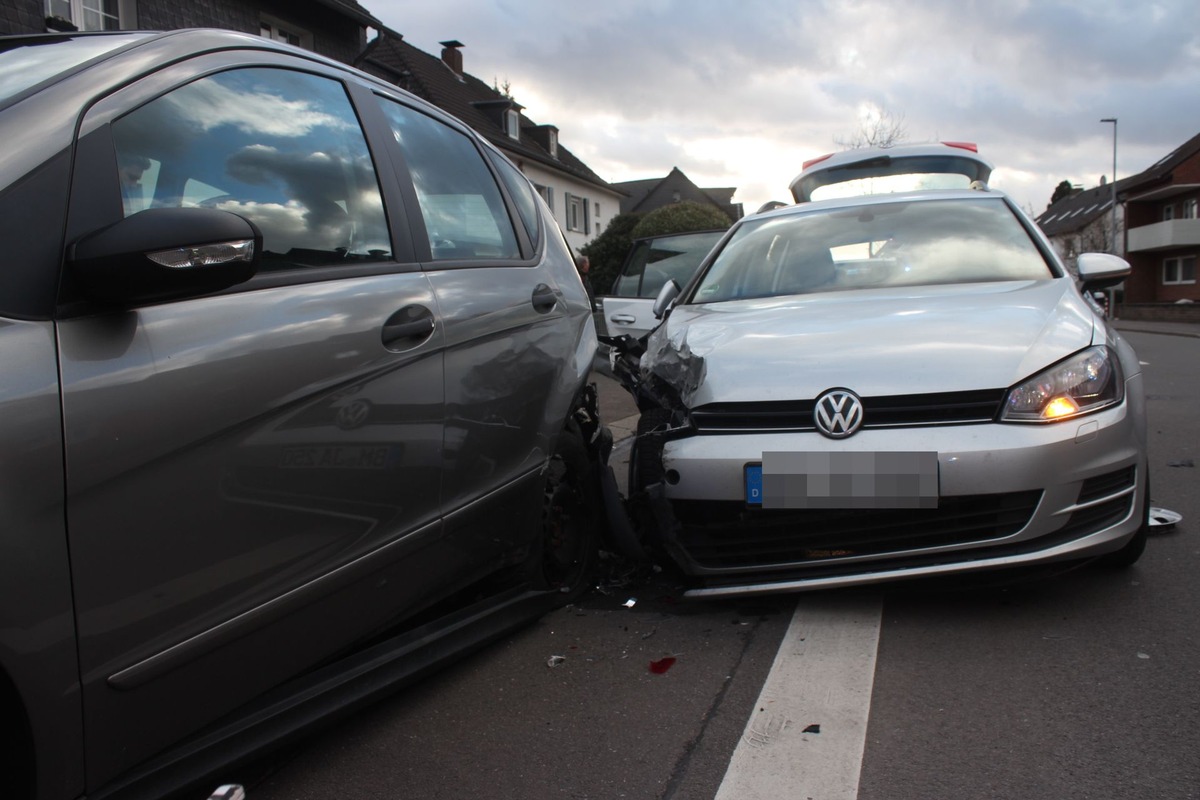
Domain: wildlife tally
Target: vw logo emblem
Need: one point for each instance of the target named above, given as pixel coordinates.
(353, 415)
(839, 413)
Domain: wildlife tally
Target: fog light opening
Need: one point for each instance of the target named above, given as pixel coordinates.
(672, 477)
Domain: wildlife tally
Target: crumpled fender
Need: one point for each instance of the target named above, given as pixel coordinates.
(670, 362)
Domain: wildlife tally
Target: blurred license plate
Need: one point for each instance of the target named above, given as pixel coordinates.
(334, 458)
(843, 480)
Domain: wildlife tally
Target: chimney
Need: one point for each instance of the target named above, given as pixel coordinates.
(452, 56)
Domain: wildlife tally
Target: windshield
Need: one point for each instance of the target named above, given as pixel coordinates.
(27, 61)
(877, 245)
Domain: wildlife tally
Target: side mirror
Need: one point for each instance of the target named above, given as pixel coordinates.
(1101, 270)
(164, 254)
(666, 296)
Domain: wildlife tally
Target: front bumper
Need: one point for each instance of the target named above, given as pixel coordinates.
(1009, 496)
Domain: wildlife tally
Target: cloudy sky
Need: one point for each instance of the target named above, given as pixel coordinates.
(741, 93)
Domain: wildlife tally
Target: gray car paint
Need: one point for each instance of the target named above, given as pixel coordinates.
(254, 482)
(37, 625)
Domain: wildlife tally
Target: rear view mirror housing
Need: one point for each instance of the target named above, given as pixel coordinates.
(165, 254)
(666, 296)
(1101, 270)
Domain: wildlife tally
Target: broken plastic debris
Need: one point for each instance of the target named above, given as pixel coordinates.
(814, 728)
(661, 666)
(1186, 462)
(554, 661)
(1163, 518)
(230, 791)
(631, 602)
(1143, 655)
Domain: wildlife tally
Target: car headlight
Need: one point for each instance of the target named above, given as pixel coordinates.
(1087, 381)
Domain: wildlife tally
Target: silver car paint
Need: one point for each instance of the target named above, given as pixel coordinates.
(884, 341)
(897, 341)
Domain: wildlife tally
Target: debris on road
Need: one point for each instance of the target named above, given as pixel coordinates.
(661, 666)
(631, 602)
(814, 728)
(1186, 462)
(554, 661)
(1162, 519)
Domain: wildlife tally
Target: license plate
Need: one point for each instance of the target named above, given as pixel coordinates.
(334, 458)
(843, 480)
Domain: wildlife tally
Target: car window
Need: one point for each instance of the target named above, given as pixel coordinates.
(282, 148)
(629, 282)
(875, 245)
(653, 262)
(522, 193)
(464, 212)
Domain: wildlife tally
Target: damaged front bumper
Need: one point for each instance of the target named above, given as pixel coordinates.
(1009, 497)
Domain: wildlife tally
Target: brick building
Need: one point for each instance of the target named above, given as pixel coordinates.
(1162, 237)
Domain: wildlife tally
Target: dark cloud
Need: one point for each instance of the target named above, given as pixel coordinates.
(1027, 79)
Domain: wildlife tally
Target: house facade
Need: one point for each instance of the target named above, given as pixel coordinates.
(1162, 240)
(1082, 222)
(582, 202)
(333, 28)
(642, 196)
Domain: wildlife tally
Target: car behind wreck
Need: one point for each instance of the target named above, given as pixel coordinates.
(882, 387)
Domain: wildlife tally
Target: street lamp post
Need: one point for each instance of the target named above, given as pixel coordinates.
(1112, 293)
(1113, 120)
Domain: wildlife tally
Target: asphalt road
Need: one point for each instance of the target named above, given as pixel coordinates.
(1082, 685)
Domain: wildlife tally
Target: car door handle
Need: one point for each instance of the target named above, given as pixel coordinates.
(544, 298)
(623, 319)
(407, 328)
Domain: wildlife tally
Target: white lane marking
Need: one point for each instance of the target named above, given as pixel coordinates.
(823, 675)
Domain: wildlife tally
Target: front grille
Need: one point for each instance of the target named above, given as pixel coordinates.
(944, 408)
(727, 535)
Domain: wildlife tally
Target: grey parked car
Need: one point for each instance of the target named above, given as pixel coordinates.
(294, 402)
(887, 386)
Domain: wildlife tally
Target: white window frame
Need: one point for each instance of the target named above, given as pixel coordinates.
(1168, 212)
(1188, 209)
(512, 124)
(279, 30)
(1172, 270)
(577, 213)
(547, 193)
(73, 10)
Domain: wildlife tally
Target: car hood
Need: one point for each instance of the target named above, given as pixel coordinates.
(877, 342)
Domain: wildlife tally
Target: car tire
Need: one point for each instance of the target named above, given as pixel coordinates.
(1128, 555)
(571, 512)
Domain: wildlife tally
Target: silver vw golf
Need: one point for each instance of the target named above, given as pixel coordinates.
(886, 386)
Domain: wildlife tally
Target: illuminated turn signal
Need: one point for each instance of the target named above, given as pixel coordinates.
(1060, 407)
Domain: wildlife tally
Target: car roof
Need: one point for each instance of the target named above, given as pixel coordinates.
(949, 158)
